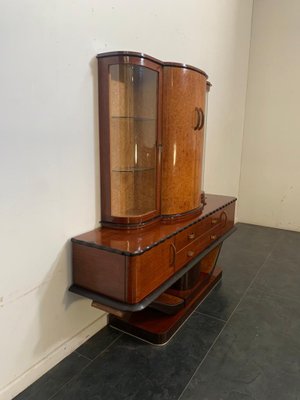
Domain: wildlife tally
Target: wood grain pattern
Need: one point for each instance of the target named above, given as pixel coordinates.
(126, 53)
(148, 271)
(130, 277)
(157, 327)
(99, 271)
(184, 91)
(140, 240)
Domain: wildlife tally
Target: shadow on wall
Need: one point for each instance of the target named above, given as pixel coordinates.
(62, 314)
(94, 71)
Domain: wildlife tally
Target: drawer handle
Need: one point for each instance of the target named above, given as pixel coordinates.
(222, 219)
(191, 236)
(190, 253)
(213, 237)
(172, 246)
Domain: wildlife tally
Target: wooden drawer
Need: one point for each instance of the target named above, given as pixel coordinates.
(219, 223)
(187, 236)
(195, 231)
(148, 271)
(189, 252)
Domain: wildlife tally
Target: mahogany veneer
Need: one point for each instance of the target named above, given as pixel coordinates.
(129, 265)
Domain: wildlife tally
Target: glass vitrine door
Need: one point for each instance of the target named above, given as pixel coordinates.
(133, 138)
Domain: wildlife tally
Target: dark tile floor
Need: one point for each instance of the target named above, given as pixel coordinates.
(242, 342)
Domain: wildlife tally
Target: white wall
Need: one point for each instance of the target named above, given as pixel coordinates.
(270, 179)
(49, 146)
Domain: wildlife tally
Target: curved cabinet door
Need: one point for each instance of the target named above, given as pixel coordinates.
(129, 137)
(183, 137)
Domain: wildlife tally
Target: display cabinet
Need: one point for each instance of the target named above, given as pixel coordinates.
(152, 118)
(155, 256)
(130, 97)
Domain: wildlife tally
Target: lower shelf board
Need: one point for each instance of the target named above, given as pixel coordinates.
(156, 327)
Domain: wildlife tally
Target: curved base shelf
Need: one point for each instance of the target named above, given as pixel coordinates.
(156, 327)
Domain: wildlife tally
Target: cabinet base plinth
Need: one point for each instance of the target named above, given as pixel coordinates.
(154, 326)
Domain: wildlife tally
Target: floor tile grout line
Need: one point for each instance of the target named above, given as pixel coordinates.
(272, 294)
(267, 259)
(73, 377)
(84, 368)
(109, 346)
(233, 312)
(82, 355)
(210, 316)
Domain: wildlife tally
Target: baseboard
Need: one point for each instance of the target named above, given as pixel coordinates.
(36, 371)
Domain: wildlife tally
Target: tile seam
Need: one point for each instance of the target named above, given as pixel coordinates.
(84, 368)
(231, 315)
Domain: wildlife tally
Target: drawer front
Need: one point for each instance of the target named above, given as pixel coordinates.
(150, 270)
(189, 252)
(187, 236)
(217, 219)
(219, 223)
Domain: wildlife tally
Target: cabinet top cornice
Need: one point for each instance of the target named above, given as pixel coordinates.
(147, 57)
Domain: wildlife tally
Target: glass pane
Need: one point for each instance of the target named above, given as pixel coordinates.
(133, 126)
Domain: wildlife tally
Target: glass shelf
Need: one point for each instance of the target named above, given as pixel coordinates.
(134, 169)
(133, 118)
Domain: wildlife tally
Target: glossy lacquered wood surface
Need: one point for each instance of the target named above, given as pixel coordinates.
(157, 327)
(147, 57)
(139, 98)
(130, 277)
(148, 271)
(132, 242)
(99, 271)
(184, 94)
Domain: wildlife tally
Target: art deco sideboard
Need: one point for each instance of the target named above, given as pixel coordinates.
(154, 258)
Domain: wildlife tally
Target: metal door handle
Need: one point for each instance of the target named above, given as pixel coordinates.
(201, 119)
(198, 119)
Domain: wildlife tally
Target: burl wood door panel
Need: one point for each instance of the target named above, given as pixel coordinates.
(184, 94)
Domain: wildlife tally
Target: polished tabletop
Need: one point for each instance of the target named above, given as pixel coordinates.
(136, 241)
